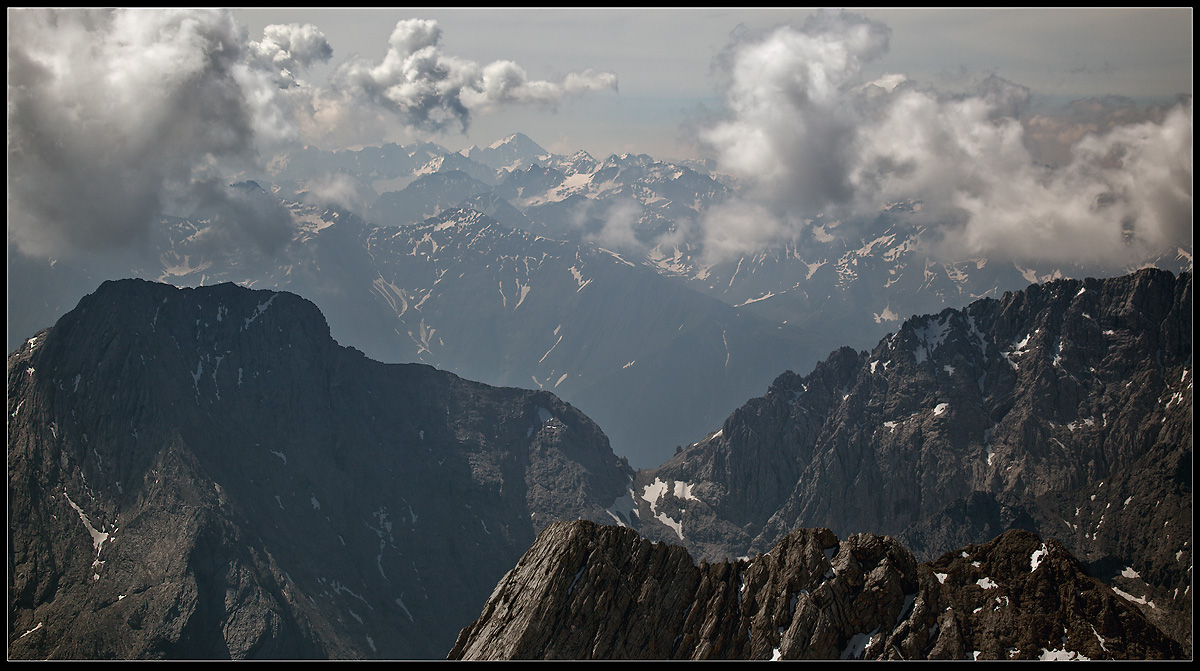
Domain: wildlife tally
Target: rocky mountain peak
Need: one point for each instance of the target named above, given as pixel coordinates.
(1063, 409)
(513, 152)
(208, 474)
(588, 592)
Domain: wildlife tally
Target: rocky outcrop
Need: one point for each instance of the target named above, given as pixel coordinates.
(205, 473)
(583, 591)
(1064, 409)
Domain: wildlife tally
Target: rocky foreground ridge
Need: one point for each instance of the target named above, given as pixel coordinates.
(1064, 409)
(585, 591)
(205, 473)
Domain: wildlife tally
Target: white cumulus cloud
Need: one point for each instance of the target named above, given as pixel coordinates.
(113, 114)
(426, 88)
(807, 133)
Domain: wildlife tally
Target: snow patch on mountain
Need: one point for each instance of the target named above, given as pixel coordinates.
(98, 537)
(683, 490)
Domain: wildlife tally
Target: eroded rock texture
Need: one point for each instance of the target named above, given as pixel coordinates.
(585, 591)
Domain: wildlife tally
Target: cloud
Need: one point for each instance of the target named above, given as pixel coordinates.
(338, 190)
(427, 89)
(1051, 134)
(740, 226)
(791, 126)
(619, 223)
(806, 133)
(116, 117)
(1125, 195)
(287, 49)
(113, 115)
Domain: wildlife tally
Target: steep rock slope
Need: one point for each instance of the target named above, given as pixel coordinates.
(590, 592)
(205, 473)
(1063, 409)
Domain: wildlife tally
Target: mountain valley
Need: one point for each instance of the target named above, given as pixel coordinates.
(407, 271)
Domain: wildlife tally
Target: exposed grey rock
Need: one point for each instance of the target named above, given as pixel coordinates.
(589, 592)
(833, 284)
(205, 473)
(1064, 409)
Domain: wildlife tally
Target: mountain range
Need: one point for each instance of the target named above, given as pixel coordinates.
(201, 466)
(1064, 409)
(372, 243)
(209, 474)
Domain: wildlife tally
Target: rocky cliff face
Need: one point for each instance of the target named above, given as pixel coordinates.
(206, 474)
(583, 591)
(1064, 409)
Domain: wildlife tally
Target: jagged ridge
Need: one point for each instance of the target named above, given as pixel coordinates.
(1064, 409)
(589, 592)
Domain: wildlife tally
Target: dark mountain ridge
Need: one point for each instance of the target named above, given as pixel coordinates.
(205, 473)
(287, 497)
(653, 360)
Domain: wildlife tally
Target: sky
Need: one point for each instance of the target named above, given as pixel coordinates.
(1036, 134)
(664, 59)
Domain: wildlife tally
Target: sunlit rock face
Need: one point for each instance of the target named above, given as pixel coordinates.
(589, 592)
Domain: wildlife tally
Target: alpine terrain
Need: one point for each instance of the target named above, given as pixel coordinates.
(1064, 409)
(514, 266)
(589, 592)
(205, 473)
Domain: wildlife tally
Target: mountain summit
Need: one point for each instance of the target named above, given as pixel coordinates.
(514, 152)
(205, 473)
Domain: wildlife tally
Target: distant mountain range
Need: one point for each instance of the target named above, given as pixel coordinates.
(566, 242)
(649, 357)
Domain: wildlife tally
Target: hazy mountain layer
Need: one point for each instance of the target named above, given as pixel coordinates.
(652, 360)
(832, 284)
